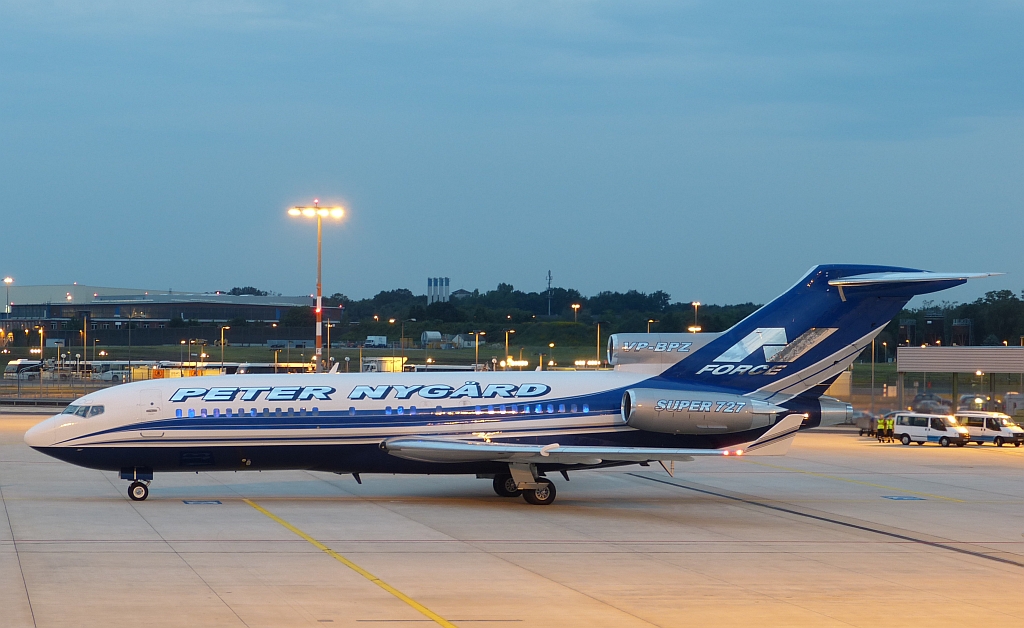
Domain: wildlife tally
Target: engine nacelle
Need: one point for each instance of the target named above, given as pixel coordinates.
(835, 412)
(821, 411)
(690, 412)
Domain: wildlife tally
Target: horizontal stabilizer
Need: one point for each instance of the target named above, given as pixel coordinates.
(775, 441)
(874, 279)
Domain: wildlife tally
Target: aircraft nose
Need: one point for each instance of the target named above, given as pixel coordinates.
(40, 434)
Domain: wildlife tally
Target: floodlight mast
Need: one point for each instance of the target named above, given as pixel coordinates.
(319, 213)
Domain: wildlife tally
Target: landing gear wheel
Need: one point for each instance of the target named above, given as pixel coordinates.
(138, 491)
(944, 441)
(998, 442)
(905, 439)
(505, 486)
(540, 496)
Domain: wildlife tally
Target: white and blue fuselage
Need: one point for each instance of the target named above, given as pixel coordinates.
(748, 388)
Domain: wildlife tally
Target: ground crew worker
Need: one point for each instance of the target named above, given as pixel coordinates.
(880, 429)
(890, 426)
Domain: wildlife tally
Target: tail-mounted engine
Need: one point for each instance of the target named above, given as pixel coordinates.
(688, 412)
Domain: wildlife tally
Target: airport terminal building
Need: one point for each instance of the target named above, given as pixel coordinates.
(62, 310)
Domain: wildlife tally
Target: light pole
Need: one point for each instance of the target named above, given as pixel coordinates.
(329, 325)
(695, 304)
(476, 345)
(551, 356)
(649, 321)
(507, 356)
(885, 348)
(181, 355)
(7, 304)
(320, 213)
(575, 311)
(401, 338)
(41, 358)
(223, 327)
(872, 377)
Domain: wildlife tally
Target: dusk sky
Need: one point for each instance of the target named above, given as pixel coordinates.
(714, 150)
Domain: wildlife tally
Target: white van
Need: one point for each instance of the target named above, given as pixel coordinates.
(917, 428)
(991, 427)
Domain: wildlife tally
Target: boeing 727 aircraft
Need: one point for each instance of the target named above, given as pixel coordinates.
(745, 391)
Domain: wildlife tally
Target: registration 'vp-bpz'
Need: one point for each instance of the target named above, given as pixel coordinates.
(469, 390)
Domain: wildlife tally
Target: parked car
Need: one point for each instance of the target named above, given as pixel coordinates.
(930, 403)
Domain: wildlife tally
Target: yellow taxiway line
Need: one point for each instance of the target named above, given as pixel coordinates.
(441, 621)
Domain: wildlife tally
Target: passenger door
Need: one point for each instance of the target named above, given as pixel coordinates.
(150, 402)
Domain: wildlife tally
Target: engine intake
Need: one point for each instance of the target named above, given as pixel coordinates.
(688, 412)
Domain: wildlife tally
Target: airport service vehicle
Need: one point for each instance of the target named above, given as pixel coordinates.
(745, 391)
(376, 342)
(912, 427)
(866, 423)
(249, 368)
(991, 427)
(23, 369)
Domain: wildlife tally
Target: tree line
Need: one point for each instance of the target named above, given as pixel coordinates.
(996, 317)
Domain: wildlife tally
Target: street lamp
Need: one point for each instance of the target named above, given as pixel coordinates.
(7, 304)
(223, 327)
(476, 345)
(551, 355)
(181, 355)
(693, 329)
(575, 311)
(507, 356)
(401, 338)
(329, 325)
(695, 304)
(649, 321)
(885, 348)
(320, 213)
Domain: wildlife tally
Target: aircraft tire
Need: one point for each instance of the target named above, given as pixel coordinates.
(540, 496)
(138, 491)
(505, 486)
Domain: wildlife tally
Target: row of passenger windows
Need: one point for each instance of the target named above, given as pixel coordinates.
(514, 408)
(252, 412)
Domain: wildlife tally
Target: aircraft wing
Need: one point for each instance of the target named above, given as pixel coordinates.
(774, 442)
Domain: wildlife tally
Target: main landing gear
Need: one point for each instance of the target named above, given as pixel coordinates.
(522, 479)
(140, 478)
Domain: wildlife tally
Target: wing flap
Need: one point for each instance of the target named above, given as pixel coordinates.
(775, 441)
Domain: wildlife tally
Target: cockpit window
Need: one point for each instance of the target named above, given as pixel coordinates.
(83, 411)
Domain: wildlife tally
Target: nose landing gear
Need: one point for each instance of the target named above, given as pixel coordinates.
(138, 491)
(140, 478)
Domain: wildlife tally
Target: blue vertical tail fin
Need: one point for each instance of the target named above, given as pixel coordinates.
(810, 333)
